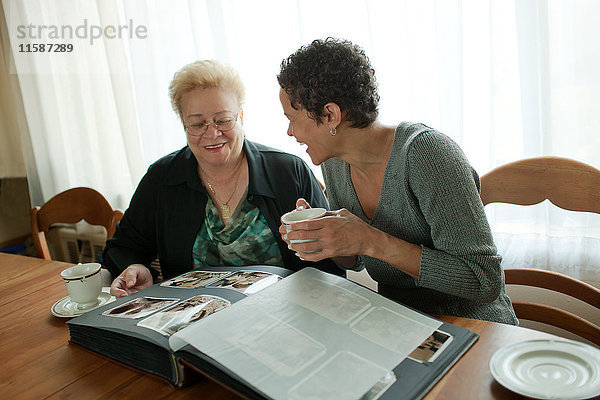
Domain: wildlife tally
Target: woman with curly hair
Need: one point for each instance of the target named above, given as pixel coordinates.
(406, 198)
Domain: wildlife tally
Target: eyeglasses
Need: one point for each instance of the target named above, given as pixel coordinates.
(224, 123)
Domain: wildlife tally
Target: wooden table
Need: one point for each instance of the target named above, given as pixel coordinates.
(38, 362)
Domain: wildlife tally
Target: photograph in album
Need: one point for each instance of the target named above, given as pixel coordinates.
(194, 279)
(177, 317)
(140, 307)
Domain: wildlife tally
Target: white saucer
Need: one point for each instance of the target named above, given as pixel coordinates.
(65, 308)
(548, 369)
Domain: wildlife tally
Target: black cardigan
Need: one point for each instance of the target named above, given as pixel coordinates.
(167, 209)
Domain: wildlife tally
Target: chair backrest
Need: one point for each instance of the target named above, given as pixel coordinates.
(71, 206)
(570, 185)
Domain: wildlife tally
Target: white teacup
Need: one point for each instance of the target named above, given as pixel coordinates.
(84, 284)
(299, 216)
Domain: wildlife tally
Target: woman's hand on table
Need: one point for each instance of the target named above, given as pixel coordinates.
(133, 279)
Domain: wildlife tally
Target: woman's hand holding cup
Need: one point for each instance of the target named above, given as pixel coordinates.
(330, 234)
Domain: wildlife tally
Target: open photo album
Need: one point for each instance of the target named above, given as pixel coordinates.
(268, 333)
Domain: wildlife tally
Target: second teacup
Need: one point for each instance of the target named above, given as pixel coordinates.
(84, 284)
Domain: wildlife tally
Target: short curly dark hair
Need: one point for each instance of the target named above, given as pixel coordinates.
(331, 70)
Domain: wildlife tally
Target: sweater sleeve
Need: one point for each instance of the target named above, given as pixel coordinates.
(134, 241)
(461, 260)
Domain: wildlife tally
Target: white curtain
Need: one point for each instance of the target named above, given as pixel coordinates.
(505, 79)
(80, 105)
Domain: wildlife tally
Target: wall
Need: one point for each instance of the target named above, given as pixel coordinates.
(14, 209)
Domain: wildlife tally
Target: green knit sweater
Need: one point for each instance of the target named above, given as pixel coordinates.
(430, 197)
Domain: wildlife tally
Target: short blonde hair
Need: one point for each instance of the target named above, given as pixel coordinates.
(204, 74)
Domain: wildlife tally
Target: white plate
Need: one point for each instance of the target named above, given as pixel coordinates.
(548, 369)
(65, 308)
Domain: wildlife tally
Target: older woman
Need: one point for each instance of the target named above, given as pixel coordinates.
(215, 202)
(411, 208)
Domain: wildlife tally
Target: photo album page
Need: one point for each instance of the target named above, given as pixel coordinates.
(312, 335)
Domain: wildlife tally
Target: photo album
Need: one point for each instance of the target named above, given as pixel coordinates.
(270, 333)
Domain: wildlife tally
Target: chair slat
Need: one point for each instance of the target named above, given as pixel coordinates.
(559, 318)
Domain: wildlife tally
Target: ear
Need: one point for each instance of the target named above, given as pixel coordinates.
(333, 115)
(241, 117)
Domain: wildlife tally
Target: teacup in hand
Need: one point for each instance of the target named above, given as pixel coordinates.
(299, 216)
(84, 284)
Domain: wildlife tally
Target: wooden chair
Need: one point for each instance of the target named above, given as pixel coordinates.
(570, 185)
(71, 206)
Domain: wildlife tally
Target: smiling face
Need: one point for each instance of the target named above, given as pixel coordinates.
(306, 130)
(214, 147)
